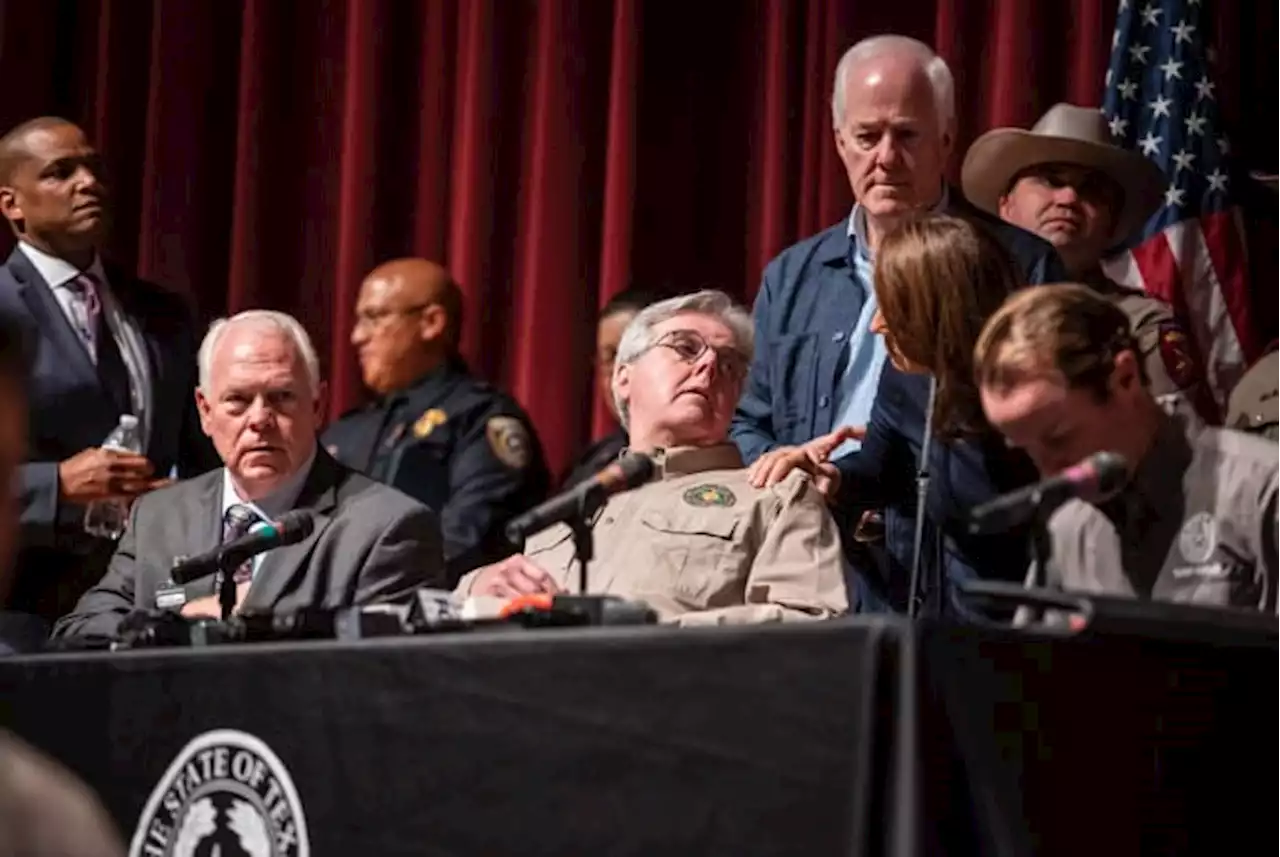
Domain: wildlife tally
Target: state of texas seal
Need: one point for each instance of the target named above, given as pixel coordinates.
(228, 792)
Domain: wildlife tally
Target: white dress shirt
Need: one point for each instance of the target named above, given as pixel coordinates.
(59, 273)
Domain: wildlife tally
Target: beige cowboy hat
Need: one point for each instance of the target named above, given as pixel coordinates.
(1069, 135)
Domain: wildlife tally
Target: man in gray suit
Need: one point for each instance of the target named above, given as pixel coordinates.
(260, 401)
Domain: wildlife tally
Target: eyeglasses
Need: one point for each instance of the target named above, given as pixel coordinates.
(689, 346)
(375, 317)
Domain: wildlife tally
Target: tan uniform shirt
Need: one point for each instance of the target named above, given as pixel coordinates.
(1196, 524)
(1254, 405)
(1172, 372)
(701, 546)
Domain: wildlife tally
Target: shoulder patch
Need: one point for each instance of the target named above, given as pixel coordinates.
(1175, 351)
(510, 441)
(710, 495)
(428, 422)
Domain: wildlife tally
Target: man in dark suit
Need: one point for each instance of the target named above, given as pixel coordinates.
(260, 400)
(103, 344)
(817, 364)
(438, 433)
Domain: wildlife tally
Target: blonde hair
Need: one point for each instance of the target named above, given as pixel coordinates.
(1065, 329)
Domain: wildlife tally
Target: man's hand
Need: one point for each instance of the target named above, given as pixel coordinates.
(210, 606)
(206, 607)
(96, 474)
(812, 457)
(515, 576)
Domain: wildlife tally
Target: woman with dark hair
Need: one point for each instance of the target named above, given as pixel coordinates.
(610, 324)
(937, 280)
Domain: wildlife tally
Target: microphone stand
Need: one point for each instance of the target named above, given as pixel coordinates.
(583, 540)
(915, 597)
(226, 592)
(1041, 552)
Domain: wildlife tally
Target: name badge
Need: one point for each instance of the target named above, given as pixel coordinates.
(170, 598)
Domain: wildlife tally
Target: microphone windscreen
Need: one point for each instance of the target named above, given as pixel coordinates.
(631, 471)
(1112, 470)
(295, 526)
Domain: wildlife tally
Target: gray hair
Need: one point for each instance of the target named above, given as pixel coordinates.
(278, 321)
(638, 337)
(934, 67)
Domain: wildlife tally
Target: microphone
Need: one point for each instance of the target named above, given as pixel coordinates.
(292, 528)
(1099, 475)
(630, 471)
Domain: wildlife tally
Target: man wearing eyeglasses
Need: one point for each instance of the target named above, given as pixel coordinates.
(698, 543)
(437, 433)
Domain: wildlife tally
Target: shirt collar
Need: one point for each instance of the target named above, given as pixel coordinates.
(1158, 477)
(857, 230)
(57, 272)
(278, 501)
(676, 461)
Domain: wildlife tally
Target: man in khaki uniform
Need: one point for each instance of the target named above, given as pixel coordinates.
(698, 543)
(1195, 523)
(1064, 181)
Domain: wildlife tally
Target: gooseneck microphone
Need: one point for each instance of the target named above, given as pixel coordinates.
(630, 471)
(1099, 475)
(291, 528)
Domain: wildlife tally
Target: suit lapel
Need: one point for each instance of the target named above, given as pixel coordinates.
(207, 527)
(49, 317)
(282, 566)
(134, 308)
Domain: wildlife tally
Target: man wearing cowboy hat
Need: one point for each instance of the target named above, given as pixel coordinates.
(1064, 181)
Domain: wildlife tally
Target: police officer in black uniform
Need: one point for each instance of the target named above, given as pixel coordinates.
(437, 433)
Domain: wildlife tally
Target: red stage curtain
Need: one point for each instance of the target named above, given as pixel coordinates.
(269, 152)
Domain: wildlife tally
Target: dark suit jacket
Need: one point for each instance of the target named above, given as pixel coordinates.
(371, 544)
(963, 474)
(806, 306)
(474, 476)
(70, 411)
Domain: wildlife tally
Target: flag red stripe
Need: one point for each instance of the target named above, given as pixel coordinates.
(1159, 271)
(1226, 250)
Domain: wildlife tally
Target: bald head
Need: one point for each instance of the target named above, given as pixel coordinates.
(420, 282)
(15, 145)
(408, 321)
(51, 189)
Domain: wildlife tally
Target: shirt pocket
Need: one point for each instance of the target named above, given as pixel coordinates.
(695, 556)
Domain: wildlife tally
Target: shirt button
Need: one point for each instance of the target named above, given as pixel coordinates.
(836, 337)
(823, 401)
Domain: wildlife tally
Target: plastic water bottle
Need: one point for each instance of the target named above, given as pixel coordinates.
(106, 518)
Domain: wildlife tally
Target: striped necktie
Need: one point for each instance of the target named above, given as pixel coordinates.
(96, 334)
(237, 522)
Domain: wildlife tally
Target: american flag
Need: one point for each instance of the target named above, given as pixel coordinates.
(1161, 100)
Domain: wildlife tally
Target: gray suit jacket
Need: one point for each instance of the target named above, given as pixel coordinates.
(371, 544)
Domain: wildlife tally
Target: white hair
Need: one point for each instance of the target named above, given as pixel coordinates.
(278, 321)
(934, 67)
(638, 337)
